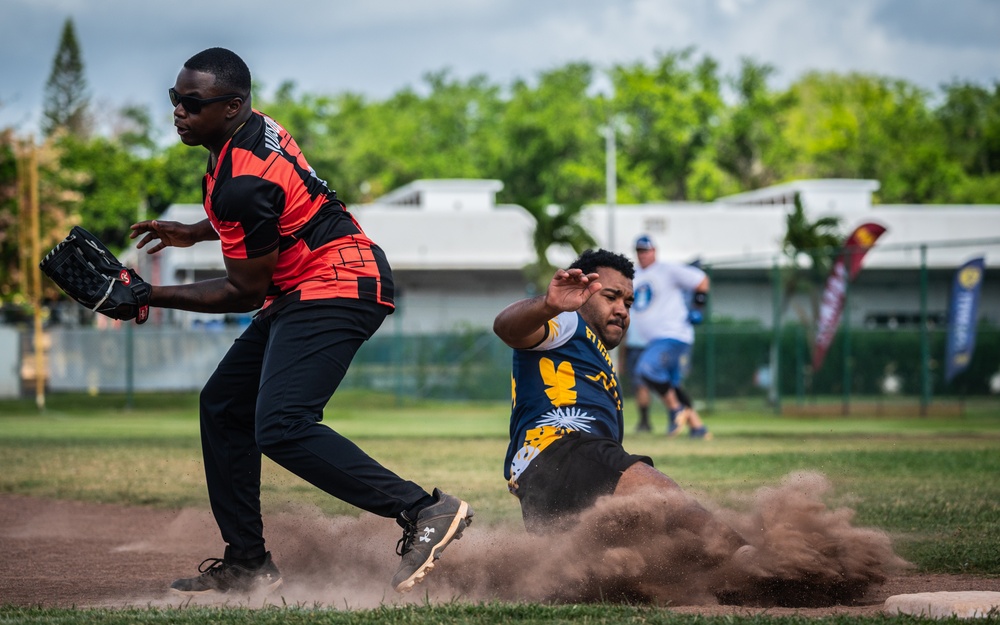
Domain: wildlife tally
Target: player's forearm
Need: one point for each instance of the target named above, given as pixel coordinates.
(204, 231)
(219, 295)
(523, 321)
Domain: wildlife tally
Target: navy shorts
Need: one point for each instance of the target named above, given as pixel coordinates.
(568, 477)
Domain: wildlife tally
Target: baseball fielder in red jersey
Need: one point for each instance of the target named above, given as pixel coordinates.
(323, 288)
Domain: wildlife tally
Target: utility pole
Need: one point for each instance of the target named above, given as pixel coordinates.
(41, 368)
(30, 213)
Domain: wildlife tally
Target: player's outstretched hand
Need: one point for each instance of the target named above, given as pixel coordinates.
(570, 289)
(166, 233)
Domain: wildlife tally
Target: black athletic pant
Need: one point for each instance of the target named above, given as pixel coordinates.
(267, 396)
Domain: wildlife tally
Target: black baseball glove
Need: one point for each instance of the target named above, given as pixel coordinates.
(89, 273)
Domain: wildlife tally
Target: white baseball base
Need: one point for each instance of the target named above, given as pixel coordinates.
(964, 604)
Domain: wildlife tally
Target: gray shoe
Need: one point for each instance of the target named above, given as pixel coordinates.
(424, 540)
(222, 576)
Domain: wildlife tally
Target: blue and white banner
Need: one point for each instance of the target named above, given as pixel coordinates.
(963, 310)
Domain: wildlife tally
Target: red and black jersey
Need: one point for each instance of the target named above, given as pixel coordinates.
(262, 195)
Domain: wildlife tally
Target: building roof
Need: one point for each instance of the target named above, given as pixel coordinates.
(456, 224)
(746, 230)
(449, 224)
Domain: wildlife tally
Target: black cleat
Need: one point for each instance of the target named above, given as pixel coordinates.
(222, 576)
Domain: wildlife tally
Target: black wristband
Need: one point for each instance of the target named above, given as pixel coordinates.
(699, 299)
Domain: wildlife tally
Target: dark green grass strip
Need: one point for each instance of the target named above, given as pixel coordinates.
(488, 614)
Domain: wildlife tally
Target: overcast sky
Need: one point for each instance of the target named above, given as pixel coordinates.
(132, 49)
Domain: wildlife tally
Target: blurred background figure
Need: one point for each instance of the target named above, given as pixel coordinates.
(629, 353)
(669, 300)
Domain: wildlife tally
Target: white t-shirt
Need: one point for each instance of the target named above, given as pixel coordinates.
(659, 310)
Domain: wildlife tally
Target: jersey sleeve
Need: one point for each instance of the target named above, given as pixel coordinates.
(248, 214)
(560, 330)
(686, 277)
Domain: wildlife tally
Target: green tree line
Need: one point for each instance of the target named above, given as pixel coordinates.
(686, 131)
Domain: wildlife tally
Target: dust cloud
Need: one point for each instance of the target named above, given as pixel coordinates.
(624, 549)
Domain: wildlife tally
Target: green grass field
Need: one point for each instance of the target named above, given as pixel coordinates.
(931, 483)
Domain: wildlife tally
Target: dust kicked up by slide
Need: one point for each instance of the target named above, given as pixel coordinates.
(625, 549)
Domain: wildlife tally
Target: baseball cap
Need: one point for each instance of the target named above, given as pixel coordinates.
(644, 243)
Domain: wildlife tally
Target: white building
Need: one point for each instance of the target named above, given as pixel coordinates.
(458, 256)
(740, 237)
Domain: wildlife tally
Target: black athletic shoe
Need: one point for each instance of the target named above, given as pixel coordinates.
(424, 540)
(221, 576)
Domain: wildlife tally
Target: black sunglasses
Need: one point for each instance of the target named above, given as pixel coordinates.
(192, 104)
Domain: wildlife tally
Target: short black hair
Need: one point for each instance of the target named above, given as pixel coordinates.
(590, 260)
(231, 73)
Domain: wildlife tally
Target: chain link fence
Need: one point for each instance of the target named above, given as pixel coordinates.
(890, 345)
(730, 361)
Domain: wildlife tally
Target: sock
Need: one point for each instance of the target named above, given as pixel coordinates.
(409, 517)
(643, 415)
(250, 563)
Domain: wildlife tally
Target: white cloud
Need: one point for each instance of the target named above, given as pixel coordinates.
(132, 50)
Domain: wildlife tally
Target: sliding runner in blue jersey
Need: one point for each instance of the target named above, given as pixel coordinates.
(566, 416)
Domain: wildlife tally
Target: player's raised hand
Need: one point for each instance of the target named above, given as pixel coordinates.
(166, 234)
(570, 289)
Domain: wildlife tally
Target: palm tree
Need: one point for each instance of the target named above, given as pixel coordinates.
(555, 225)
(815, 241)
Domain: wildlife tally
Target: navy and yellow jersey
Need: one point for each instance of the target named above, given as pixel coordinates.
(565, 383)
(262, 195)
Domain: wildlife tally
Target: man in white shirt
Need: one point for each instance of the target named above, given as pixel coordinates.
(662, 317)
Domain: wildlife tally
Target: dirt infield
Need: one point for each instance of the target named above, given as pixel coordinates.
(63, 554)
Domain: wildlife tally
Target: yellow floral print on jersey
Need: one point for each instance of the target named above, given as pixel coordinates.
(542, 437)
(535, 441)
(559, 382)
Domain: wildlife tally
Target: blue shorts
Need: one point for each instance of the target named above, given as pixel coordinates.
(665, 361)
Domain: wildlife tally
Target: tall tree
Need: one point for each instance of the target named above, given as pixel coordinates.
(10, 282)
(174, 177)
(862, 126)
(110, 181)
(670, 111)
(132, 127)
(367, 148)
(552, 162)
(66, 99)
(750, 145)
(970, 117)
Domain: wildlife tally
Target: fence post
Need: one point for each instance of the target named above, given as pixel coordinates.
(846, 322)
(709, 350)
(398, 348)
(776, 340)
(925, 349)
(800, 390)
(29, 205)
(129, 366)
